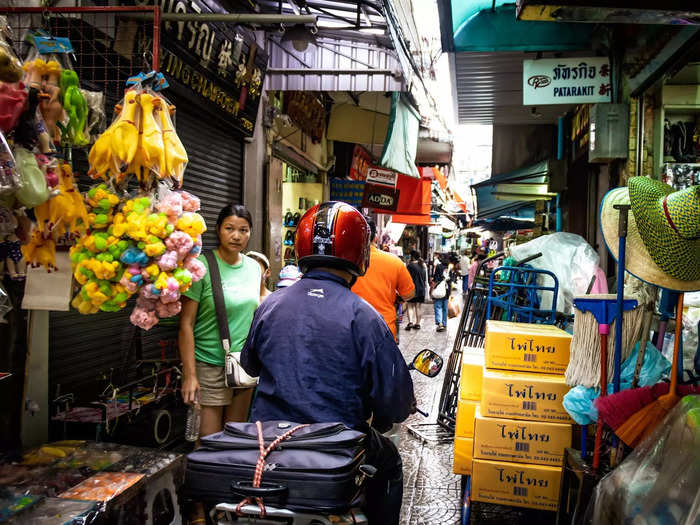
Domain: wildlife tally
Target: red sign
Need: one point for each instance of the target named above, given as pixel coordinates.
(361, 162)
(380, 197)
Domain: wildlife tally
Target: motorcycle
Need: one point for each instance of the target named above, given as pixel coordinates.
(425, 362)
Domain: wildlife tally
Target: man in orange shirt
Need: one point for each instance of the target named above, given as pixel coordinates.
(386, 278)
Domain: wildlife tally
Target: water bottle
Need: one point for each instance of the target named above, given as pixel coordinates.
(194, 415)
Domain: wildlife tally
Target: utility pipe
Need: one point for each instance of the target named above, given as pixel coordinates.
(239, 18)
(331, 71)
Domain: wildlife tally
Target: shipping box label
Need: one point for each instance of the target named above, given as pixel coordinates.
(471, 376)
(518, 395)
(463, 456)
(531, 486)
(464, 425)
(520, 441)
(526, 347)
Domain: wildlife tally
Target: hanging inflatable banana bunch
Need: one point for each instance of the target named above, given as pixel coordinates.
(141, 141)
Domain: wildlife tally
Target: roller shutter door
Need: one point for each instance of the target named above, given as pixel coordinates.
(83, 348)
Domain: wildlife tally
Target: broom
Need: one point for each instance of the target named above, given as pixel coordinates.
(643, 422)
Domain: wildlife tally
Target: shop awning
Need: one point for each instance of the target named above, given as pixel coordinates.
(491, 25)
(490, 205)
(415, 220)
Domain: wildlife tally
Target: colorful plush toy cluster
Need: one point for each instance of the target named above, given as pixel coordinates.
(149, 246)
(141, 141)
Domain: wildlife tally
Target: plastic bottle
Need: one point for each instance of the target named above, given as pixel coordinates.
(194, 414)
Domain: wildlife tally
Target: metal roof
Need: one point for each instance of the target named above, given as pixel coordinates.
(488, 90)
(359, 19)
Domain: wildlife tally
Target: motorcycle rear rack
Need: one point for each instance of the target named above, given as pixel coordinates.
(277, 515)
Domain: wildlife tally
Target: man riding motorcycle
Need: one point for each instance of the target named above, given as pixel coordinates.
(323, 354)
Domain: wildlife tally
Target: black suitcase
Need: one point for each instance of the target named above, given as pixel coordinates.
(319, 465)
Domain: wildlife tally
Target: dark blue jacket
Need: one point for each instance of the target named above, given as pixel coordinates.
(324, 354)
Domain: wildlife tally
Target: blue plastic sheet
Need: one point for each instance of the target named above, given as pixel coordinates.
(578, 402)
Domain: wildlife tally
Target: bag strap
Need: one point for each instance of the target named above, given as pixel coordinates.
(217, 291)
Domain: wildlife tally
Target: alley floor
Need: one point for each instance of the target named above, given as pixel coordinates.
(431, 491)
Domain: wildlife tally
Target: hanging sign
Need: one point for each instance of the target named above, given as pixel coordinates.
(381, 176)
(566, 81)
(216, 62)
(380, 197)
(361, 161)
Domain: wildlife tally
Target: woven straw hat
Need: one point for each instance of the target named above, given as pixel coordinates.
(669, 224)
(638, 261)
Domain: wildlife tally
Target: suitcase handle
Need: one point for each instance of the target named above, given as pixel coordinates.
(247, 490)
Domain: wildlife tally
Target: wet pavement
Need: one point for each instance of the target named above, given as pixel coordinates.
(431, 491)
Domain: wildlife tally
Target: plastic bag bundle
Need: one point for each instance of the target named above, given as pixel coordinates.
(659, 483)
(141, 141)
(569, 257)
(9, 178)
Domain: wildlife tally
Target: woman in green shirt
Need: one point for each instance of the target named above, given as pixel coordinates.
(201, 350)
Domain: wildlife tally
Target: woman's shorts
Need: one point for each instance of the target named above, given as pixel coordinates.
(212, 385)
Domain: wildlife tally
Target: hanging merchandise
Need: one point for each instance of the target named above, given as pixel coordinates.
(150, 247)
(142, 140)
(10, 66)
(33, 189)
(9, 178)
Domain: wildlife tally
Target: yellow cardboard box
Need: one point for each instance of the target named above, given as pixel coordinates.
(519, 395)
(526, 347)
(520, 441)
(464, 426)
(531, 486)
(471, 376)
(463, 456)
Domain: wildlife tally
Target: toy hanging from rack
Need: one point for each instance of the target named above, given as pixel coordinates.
(142, 140)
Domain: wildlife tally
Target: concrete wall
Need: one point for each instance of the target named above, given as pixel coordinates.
(516, 147)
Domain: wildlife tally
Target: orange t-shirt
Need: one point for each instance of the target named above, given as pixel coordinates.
(386, 277)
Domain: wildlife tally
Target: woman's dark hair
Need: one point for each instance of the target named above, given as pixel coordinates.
(415, 255)
(234, 210)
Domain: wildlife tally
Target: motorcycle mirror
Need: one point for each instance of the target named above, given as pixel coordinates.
(427, 363)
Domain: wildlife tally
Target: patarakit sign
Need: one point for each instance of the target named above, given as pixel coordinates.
(566, 81)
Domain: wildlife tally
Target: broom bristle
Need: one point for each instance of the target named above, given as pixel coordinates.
(615, 409)
(643, 423)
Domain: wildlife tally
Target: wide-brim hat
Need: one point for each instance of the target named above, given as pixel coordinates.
(669, 224)
(638, 261)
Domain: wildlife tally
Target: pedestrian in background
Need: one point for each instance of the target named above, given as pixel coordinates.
(417, 271)
(385, 281)
(440, 303)
(464, 263)
(265, 267)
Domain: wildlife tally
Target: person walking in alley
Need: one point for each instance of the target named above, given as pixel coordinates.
(323, 354)
(386, 279)
(464, 263)
(415, 268)
(440, 292)
(264, 263)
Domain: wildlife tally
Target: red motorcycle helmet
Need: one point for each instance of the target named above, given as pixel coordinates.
(333, 234)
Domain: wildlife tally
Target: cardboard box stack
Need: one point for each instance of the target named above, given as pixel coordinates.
(520, 425)
(467, 406)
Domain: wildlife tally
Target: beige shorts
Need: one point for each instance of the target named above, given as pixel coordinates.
(212, 385)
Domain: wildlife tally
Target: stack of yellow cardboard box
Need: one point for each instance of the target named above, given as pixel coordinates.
(520, 427)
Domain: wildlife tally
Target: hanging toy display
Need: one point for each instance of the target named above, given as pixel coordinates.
(142, 140)
(10, 66)
(75, 106)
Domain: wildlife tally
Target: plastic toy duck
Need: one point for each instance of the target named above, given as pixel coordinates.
(125, 134)
(152, 137)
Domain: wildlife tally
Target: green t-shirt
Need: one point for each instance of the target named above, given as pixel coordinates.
(241, 284)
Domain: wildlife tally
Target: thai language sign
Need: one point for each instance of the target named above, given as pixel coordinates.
(566, 81)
